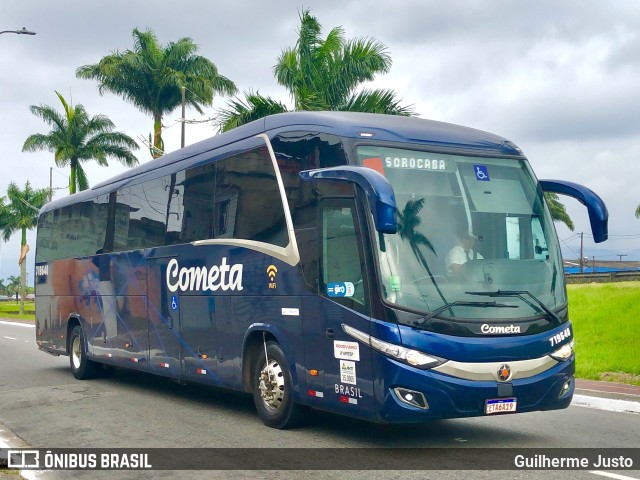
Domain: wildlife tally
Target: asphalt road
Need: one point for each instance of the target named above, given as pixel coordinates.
(43, 404)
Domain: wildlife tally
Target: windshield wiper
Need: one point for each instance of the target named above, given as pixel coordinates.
(447, 306)
(520, 294)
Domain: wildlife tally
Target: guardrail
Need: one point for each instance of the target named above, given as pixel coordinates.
(605, 277)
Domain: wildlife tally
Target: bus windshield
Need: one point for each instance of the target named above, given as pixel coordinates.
(475, 239)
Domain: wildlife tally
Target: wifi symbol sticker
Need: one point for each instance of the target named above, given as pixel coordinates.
(271, 272)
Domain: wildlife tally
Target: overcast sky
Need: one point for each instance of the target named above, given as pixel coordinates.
(558, 78)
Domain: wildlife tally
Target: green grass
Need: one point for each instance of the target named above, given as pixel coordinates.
(606, 322)
(10, 309)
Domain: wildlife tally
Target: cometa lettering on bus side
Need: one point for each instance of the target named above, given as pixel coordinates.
(223, 276)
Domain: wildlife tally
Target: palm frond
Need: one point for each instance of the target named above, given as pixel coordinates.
(239, 112)
(376, 101)
(558, 210)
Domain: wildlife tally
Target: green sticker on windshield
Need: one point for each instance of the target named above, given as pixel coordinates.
(394, 283)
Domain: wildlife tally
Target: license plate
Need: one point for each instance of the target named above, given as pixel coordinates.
(500, 405)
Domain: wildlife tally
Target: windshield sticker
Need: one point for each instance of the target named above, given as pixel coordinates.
(374, 163)
(394, 283)
(347, 372)
(340, 289)
(482, 174)
(346, 350)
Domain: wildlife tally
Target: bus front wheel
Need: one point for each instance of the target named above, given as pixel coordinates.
(81, 367)
(272, 389)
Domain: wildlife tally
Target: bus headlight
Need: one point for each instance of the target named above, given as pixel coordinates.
(406, 355)
(563, 353)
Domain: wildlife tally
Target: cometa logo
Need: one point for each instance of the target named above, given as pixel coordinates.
(499, 329)
(223, 276)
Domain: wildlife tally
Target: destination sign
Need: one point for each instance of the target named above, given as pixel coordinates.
(416, 163)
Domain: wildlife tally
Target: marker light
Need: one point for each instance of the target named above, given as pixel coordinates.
(406, 355)
(563, 353)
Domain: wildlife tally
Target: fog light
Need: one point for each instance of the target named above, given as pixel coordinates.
(411, 397)
(565, 388)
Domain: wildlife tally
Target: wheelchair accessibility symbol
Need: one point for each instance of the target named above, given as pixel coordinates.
(482, 174)
(174, 302)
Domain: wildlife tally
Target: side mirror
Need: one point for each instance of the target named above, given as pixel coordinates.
(598, 214)
(382, 200)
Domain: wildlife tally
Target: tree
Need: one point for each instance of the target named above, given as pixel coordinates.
(557, 210)
(151, 77)
(638, 211)
(76, 138)
(13, 285)
(322, 74)
(20, 213)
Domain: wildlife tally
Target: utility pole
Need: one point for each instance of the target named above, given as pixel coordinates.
(50, 183)
(182, 90)
(581, 252)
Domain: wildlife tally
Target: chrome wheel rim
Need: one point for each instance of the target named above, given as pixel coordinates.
(76, 352)
(272, 385)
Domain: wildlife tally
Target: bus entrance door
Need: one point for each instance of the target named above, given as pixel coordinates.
(348, 372)
(164, 320)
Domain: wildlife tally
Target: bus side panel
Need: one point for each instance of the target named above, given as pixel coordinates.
(46, 316)
(118, 328)
(200, 317)
(280, 315)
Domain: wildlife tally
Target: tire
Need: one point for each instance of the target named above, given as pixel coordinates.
(81, 367)
(273, 395)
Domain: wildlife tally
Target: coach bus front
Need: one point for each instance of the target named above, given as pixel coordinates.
(472, 284)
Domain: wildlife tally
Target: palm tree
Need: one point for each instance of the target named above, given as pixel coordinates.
(152, 76)
(322, 74)
(557, 210)
(13, 285)
(21, 214)
(76, 138)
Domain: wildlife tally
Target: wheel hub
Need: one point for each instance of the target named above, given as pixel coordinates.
(272, 384)
(76, 352)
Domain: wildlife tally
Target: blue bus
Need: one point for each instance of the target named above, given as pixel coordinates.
(388, 268)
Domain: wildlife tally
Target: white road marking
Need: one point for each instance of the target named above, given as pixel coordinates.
(9, 338)
(18, 324)
(612, 475)
(10, 441)
(609, 404)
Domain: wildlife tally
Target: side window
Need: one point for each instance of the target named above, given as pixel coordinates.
(147, 204)
(198, 212)
(297, 151)
(342, 261)
(247, 199)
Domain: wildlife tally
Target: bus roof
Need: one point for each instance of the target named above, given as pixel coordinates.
(376, 127)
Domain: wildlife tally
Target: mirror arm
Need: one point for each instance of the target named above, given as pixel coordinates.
(382, 200)
(598, 214)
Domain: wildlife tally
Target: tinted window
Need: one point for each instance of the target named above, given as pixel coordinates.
(147, 206)
(247, 199)
(73, 231)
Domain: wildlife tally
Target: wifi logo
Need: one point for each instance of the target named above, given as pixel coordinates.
(271, 272)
